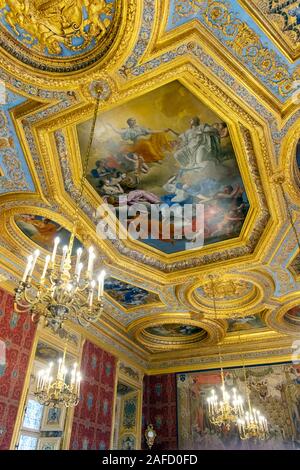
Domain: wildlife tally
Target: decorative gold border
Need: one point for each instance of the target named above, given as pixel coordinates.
(290, 50)
(214, 331)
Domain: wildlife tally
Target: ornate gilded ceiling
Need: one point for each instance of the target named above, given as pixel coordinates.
(41, 32)
(161, 63)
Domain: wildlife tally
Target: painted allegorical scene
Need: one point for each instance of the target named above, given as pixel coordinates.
(173, 329)
(167, 148)
(43, 231)
(128, 295)
(293, 316)
(273, 389)
(250, 322)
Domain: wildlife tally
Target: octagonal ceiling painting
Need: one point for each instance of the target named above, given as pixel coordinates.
(167, 149)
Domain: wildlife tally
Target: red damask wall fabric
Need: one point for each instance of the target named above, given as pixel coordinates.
(92, 424)
(159, 409)
(17, 333)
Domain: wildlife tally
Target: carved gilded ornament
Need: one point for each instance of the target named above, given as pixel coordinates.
(53, 25)
(63, 35)
(223, 19)
(227, 289)
(281, 21)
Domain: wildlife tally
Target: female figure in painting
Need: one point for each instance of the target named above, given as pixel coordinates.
(150, 144)
(46, 232)
(25, 223)
(197, 145)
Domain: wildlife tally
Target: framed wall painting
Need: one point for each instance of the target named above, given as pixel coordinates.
(49, 443)
(53, 419)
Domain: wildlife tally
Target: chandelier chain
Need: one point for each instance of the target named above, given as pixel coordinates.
(84, 173)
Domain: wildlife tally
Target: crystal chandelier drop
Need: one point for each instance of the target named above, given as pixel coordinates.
(64, 291)
(60, 390)
(226, 409)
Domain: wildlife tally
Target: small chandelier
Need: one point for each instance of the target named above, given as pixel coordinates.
(225, 410)
(253, 425)
(62, 390)
(63, 292)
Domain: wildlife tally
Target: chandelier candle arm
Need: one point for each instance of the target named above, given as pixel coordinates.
(47, 261)
(101, 285)
(36, 254)
(90, 263)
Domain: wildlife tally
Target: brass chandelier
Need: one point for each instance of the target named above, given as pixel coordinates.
(62, 389)
(251, 424)
(64, 291)
(225, 409)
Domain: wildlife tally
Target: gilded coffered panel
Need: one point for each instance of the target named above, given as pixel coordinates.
(67, 145)
(175, 331)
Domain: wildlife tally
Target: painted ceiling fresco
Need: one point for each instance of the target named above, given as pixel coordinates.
(250, 322)
(43, 232)
(293, 316)
(128, 295)
(168, 149)
(173, 330)
(46, 352)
